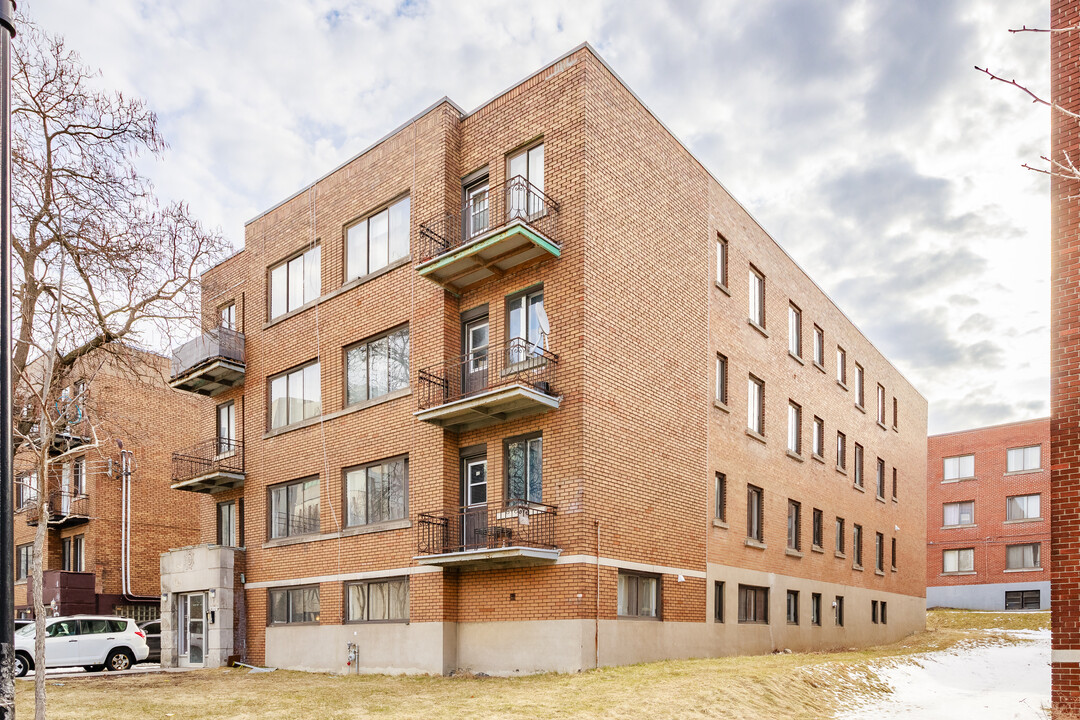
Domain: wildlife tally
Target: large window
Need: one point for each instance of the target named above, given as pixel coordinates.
(227, 316)
(959, 513)
(860, 380)
(956, 561)
(294, 508)
(529, 165)
(1024, 507)
(819, 346)
(794, 428)
(794, 331)
(959, 467)
(378, 601)
(525, 469)
(376, 367)
(819, 437)
(294, 605)
(721, 260)
(71, 553)
(721, 497)
(377, 241)
(753, 604)
(794, 525)
(757, 297)
(1025, 458)
(26, 490)
(376, 492)
(639, 595)
(755, 405)
(1022, 557)
(24, 561)
(295, 282)
(295, 396)
(721, 378)
(527, 324)
(226, 427)
(755, 513)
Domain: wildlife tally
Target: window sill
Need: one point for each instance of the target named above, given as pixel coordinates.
(819, 366)
(1023, 520)
(357, 407)
(751, 542)
(880, 573)
(858, 568)
(880, 499)
(1023, 472)
(842, 471)
(717, 522)
(1023, 570)
(790, 552)
(959, 527)
(290, 624)
(837, 553)
(895, 501)
(723, 288)
(795, 456)
(894, 569)
(639, 618)
(757, 327)
(796, 358)
(817, 549)
(965, 572)
(882, 426)
(860, 408)
(858, 487)
(842, 384)
(344, 533)
(721, 406)
(756, 435)
(895, 429)
(956, 480)
(817, 457)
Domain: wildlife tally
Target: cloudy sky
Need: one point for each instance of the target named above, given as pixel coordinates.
(857, 133)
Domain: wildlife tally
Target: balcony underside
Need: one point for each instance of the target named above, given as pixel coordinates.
(489, 407)
(61, 521)
(488, 256)
(211, 482)
(211, 378)
(505, 557)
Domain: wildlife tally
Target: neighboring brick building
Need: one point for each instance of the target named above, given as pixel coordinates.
(488, 379)
(988, 518)
(129, 401)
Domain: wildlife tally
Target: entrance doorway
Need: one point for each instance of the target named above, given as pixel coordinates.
(191, 629)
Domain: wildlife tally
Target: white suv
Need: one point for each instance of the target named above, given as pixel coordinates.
(93, 641)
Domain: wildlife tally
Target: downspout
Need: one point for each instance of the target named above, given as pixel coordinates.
(596, 630)
(125, 529)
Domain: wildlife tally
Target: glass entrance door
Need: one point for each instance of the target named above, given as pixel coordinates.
(191, 629)
(476, 356)
(474, 520)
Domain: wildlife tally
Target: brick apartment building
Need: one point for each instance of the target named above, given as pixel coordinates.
(86, 567)
(525, 389)
(988, 518)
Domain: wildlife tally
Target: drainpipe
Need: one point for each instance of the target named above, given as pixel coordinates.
(596, 629)
(125, 528)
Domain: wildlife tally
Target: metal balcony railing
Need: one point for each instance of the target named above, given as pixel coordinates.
(220, 343)
(518, 361)
(515, 199)
(63, 505)
(216, 455)
(514, 524)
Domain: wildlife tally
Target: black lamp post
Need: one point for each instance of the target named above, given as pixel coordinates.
(7, 459)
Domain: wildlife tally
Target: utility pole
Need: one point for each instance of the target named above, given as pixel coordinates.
(7, 449)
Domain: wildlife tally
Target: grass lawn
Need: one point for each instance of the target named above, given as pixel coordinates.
(797, 685)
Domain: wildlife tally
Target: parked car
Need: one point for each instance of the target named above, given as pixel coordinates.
(20, 623)
(95, 642)
(152, 628)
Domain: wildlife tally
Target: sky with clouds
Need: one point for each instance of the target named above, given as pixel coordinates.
(857, 132)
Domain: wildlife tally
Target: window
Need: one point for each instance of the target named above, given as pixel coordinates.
(295, 396)
(527, 322)
(26, 490)
(959, 467)
(856, 544)
(858, 465)
(962, 560)
(793, 607)
(815, 609)
(376, 367)
(816, 528)
(295, 282)
(1025, 458)
(841, 450)
(718, 602)
(819, 346)
(376, 492)
(71, 553)
(895, 414)
(893, 554)
(1022, 557)
(524, 469)
(884, 613)
(794, 428)
(794, 522)
(721, 379)
(78, 479)
(958, 513)
(838, 610)
(859, 382)
(755, 513)
(377, 601)
(227, 529)
(757, 297)
(881, 478)
(294, 605)
(294, 508)
(753, 604)
(227, 316)
(1023, 507)
(819, 437)
(721, 497)
(24, 561)
(226, 428)
(881, 404)
(794, 330)
(529, 165)
(1022, 600)
(841, 543)
(755, 405)
(841, 365)
(879, 552)
(377, 240)
(639, 595)
(874, 611)
(894, 483)
(65, 553)
(721, 260)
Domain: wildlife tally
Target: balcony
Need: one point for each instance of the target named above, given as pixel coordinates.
(211, 466)
(508, 226)
(65, 508)
(512, 535)
(209, 364)
(489, 386)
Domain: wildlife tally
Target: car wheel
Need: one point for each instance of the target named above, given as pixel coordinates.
(118, 660)
(93, 668)
(22, 664)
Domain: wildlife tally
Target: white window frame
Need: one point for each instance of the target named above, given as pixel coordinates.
(755, 405)
(295, 282)
(756, 297)
(953, 514)
(794, 330)
(281, 387)
(365, 254)
(1022, 504)
(1028, 458)
(954, 466)
(794, 441)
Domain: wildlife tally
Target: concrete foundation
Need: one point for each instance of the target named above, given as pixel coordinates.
(990, 596)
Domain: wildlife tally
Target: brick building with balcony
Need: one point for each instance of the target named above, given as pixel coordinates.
(988, 518)
(105, 533)
(525, 389)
